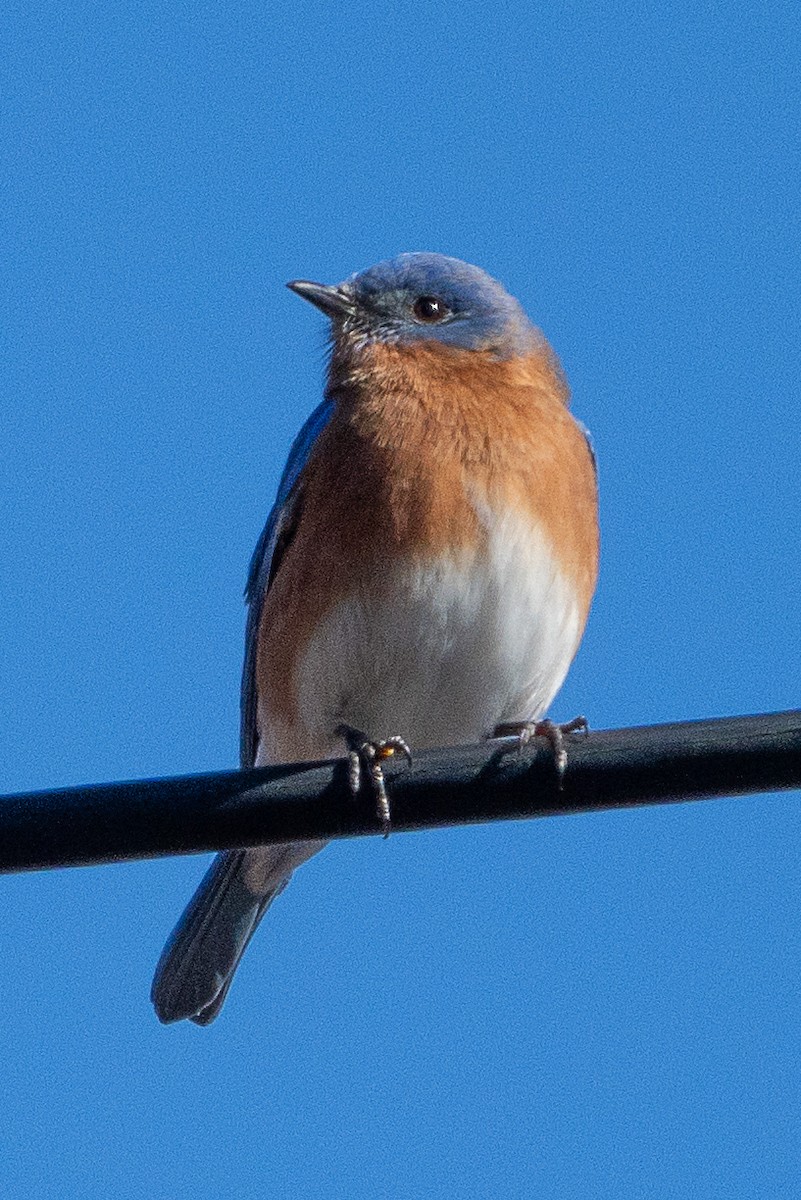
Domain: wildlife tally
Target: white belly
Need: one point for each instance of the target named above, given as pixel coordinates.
(445, 649)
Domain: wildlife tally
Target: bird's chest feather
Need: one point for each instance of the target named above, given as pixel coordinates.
(441, 649)
(441, 570)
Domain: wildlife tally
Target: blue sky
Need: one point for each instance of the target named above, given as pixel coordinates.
(589, 1007)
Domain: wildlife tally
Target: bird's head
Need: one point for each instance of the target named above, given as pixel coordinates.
(424, 298)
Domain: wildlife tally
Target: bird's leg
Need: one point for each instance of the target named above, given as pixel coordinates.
(524, 731)
(365, 754)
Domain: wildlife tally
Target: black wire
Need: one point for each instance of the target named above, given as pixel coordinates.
(655, 764)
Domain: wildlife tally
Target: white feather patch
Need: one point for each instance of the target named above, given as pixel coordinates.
(441, 651)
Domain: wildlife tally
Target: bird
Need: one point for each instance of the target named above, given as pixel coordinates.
(424, 577)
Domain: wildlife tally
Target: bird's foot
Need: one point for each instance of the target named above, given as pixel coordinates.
(367, 755)
(524, 731)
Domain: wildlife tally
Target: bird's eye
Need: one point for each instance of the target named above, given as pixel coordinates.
(430, 309)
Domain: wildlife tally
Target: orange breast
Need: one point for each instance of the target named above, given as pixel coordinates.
(419, 435)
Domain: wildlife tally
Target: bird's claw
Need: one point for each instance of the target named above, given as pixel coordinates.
(366, 754)
(524, 731)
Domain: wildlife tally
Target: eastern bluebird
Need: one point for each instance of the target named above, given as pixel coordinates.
(427, 568)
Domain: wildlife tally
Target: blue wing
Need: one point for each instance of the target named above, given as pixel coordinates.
(275, 538)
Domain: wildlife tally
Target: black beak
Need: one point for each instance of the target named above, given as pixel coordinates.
(332, 300)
